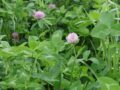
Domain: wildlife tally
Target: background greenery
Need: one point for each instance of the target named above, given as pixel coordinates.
(43, 60)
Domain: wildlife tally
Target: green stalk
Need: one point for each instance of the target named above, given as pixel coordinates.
(90, 69)
(106, 54)
(71, 79)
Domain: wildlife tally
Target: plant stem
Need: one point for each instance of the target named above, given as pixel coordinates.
(90, 69)
(71, 79)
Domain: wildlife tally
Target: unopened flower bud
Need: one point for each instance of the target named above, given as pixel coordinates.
(15, 36)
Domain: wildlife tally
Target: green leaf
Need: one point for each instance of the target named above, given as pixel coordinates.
(83, 31)
(47, 22)
(40, 24)
(107, 18)
(65, 83)
(94, 15)
(107, 83)
(76, 86)
(2, 36)
(94, 60)
(86, 54)
(57, 41)
(115, 30)
(100, 31)
(71, 61)
(32, 41)
(5, 44)
(62, 9)
(45, 76)
(57, 35)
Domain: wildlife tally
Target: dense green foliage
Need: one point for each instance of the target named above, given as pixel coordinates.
(35, 55)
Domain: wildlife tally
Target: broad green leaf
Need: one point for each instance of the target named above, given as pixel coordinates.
(57, 41)
(115, 30)
(40, 24)
(79, 50)
(65, 83)
(100, 31)
(47, 22)
(5, 53)
(76, 86)
(1, 37)
(62, 9)
(107, 83)
(86, 54)
(45, 76)
(57, 35)
(94, 15)
(5, 44)
(107, 18)
(94, 60)
(83, 31)
(32, 41)
(71, 61)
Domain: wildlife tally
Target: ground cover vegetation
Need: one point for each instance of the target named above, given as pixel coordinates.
(59, 44)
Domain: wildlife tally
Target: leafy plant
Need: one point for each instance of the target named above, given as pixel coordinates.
(59, 44)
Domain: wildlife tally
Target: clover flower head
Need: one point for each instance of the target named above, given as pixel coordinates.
(39, 15)
(72, 38)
